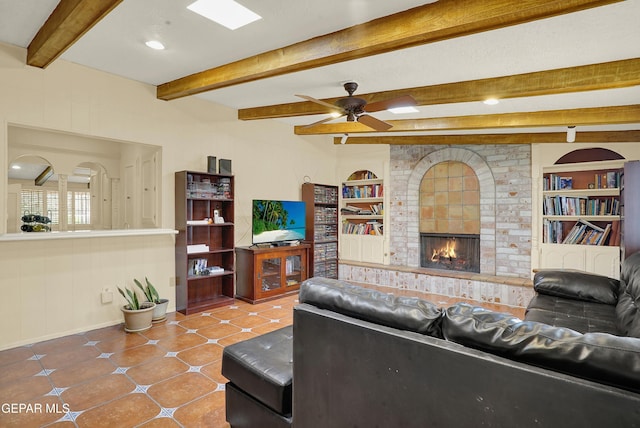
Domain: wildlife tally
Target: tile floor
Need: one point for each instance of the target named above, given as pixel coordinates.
(168, 376)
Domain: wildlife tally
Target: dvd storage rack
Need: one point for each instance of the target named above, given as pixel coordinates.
(322, 228)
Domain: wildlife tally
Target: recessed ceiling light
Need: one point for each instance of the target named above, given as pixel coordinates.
(154, 44)
(225, 12)
(491, 101)
(403, 110)
(16, 167)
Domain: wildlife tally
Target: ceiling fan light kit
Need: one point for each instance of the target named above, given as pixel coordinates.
(355, 109)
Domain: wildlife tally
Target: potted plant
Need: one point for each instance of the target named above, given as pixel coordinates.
(137, 314)
(150, 292)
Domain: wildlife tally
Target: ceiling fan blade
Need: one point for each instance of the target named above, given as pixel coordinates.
(322, 103)
(403, 101)
(322, 121)
(374, 123)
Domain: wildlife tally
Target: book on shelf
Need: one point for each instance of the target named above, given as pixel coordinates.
(552, 231)
(362, 191)
(566, 183)
(614, 240)
(350, 209)
(607, 180)
(377, 209)
(587, 233)
(580, 205)
(368, 228)
(556, 182)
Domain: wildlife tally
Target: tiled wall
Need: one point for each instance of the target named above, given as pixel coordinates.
(504, 178)
(450, 200)
(516, 292)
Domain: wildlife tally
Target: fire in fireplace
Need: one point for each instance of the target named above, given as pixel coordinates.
(450, 251)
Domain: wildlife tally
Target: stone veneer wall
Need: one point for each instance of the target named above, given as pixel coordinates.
(504, 173)
(509, 291)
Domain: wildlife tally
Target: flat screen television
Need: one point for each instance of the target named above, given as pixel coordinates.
(277, 221)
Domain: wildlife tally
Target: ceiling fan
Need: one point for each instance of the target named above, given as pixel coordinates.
(356, 108)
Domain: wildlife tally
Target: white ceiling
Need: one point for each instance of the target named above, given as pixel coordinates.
(116, 45)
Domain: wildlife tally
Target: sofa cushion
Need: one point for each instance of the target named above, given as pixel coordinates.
(404, 313)
(577, 285)
(628, 315)
(627, 310)
(600, 357)
(584, 317)
(263, 368)
(630, 269)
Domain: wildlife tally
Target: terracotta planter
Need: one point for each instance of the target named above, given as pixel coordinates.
(160, 311)
(140, 320)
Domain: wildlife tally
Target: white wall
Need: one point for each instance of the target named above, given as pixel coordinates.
(62, 279)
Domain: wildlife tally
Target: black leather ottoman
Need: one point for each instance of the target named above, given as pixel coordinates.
(260, 372)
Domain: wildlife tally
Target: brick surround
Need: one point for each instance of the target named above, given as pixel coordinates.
(504, 175)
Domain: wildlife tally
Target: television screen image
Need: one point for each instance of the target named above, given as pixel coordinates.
(278, 221)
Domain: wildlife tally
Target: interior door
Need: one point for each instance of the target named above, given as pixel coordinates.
(149, 193)
(129, 196)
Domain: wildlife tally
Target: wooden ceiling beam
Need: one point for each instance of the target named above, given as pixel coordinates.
(523, 138)
(607, 75)
(444, 19)
(577, 117)
(66, 24)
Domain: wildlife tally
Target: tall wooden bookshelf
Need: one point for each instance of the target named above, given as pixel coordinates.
(204, 215)
(322, 228)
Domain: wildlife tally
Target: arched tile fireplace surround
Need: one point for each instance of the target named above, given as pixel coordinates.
(487, 204)
(504, 175)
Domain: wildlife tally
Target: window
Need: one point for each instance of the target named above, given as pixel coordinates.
(78, 208)
(43, 202)
(46, 202)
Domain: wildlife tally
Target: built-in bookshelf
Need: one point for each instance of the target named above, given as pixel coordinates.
(322, 228)
(581, 207)
(362, 217)
(581, 203)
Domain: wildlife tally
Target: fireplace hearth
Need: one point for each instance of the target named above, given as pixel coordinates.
(458, 252)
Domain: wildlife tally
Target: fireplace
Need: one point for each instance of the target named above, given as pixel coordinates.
(458, 252)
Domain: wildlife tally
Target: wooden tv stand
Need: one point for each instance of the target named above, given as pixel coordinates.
(268, 273)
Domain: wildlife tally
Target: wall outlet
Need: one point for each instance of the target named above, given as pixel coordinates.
(106, 296)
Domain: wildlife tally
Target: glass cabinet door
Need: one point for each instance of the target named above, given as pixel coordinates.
(270, 276)
(293, 270)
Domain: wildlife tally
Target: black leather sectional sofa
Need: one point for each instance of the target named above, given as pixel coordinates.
(356, 357)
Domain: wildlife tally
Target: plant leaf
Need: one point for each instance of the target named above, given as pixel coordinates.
(146, 291)
(155, 297)
(133, 299)
(124, 295)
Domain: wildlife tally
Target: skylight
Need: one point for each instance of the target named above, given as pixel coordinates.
(225, 12)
